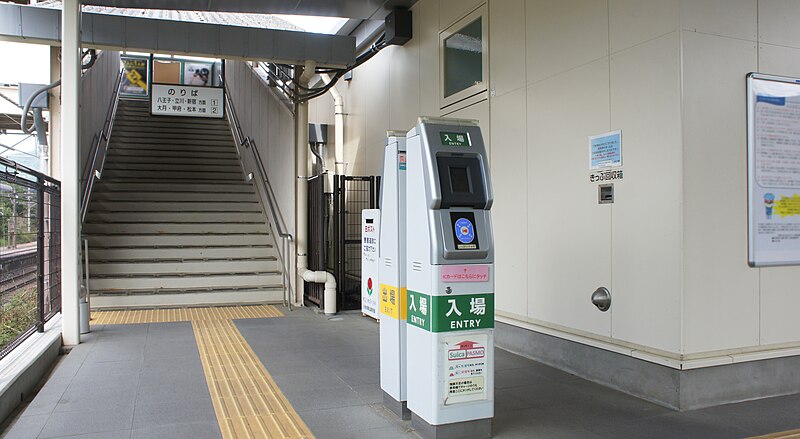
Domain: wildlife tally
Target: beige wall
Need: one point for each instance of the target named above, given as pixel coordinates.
(670, 75)
(97, 88)
(270, 124)
(729, 306)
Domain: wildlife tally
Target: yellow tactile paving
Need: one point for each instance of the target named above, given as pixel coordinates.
(792, 434)
(247, 402)
(246, 399)
(183, 314)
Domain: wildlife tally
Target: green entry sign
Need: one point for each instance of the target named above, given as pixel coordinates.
(455, 139)
(450, 313)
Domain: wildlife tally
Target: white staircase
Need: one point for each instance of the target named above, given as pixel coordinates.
(172, 221)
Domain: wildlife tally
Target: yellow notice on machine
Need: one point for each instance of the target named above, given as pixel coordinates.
(393, 302)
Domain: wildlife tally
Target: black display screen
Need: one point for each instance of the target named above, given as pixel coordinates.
(459, 179)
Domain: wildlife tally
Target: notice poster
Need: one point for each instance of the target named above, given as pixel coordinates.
(465, 368)
(605, 150)
(773, 151)
(135, 79)
(197, 74)
(370, 232)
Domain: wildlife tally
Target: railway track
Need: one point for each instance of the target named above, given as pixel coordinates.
(17, 269)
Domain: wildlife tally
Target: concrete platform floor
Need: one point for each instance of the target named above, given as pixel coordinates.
(147, 381)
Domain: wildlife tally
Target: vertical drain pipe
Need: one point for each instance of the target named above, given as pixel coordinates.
(338, 123)
(301, 215)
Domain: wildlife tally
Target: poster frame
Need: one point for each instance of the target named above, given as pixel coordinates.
(149, 64)
(754, 256)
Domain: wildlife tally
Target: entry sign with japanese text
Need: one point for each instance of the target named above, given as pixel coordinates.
(450, 313)
(187, 100)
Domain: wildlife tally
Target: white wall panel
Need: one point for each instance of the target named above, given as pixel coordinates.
(779, 60)
(509, 151)
(506, 45)
(779, 296)
(562, 35)
(721, 291)
(377, 111)
(426, 13)
(403, 85)
(778, 22)
(727, 18)
(633, 22)
(569, 241)
(646, 257)
(453, 10)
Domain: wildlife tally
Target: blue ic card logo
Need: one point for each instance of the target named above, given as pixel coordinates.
(465, 232)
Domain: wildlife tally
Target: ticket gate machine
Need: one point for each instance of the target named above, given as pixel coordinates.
(450, 279)
(392, 275)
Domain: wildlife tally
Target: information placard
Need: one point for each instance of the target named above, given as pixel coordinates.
(370, 265)
(773, 170)
(465, 368)
(187, 100)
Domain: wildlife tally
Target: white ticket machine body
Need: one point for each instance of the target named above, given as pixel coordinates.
(392, 275)
(450, 275)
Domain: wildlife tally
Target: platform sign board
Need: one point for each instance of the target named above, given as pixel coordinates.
(187, 101)
(773, 169)
(465, 359)
(370, 262)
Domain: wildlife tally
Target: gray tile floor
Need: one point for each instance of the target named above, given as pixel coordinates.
(146, 381)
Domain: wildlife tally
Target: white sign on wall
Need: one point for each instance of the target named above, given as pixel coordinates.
(370, 265)
(187, 100)
(773, 170)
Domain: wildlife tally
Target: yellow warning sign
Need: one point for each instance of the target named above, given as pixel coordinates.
(788, 206)
(393, 302)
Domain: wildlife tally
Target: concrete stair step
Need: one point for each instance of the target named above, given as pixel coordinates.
(171, 196)
(114, 160)
(266, 264)
(174, 206)
(173, 175)
(172, 133)
(106, 185)
(122, 165)
(173, 228)
(176, 217)
(110, 284)
(179, 240)
(176, 253)
(273, 294)
(118, 152)
(131, 138)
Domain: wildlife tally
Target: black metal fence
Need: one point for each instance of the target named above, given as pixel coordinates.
(30, 252)
(351, 195)
(318, 218)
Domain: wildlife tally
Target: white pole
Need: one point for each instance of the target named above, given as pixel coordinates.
(70, 189)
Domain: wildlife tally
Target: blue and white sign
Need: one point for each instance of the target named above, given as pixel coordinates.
(605, 150)
(465, 232)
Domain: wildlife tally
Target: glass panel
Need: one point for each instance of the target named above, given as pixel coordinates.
(463, 58)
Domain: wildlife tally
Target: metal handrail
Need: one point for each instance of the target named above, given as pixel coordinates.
(274, 209)
(103, 135)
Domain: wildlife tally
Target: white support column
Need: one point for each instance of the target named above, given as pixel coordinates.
(70, 178)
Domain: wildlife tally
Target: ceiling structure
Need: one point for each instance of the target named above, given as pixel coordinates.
(356, 9)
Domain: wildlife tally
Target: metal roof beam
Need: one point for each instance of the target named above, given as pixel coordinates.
(43, 26)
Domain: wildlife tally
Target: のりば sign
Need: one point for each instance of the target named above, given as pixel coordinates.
(187, 100)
